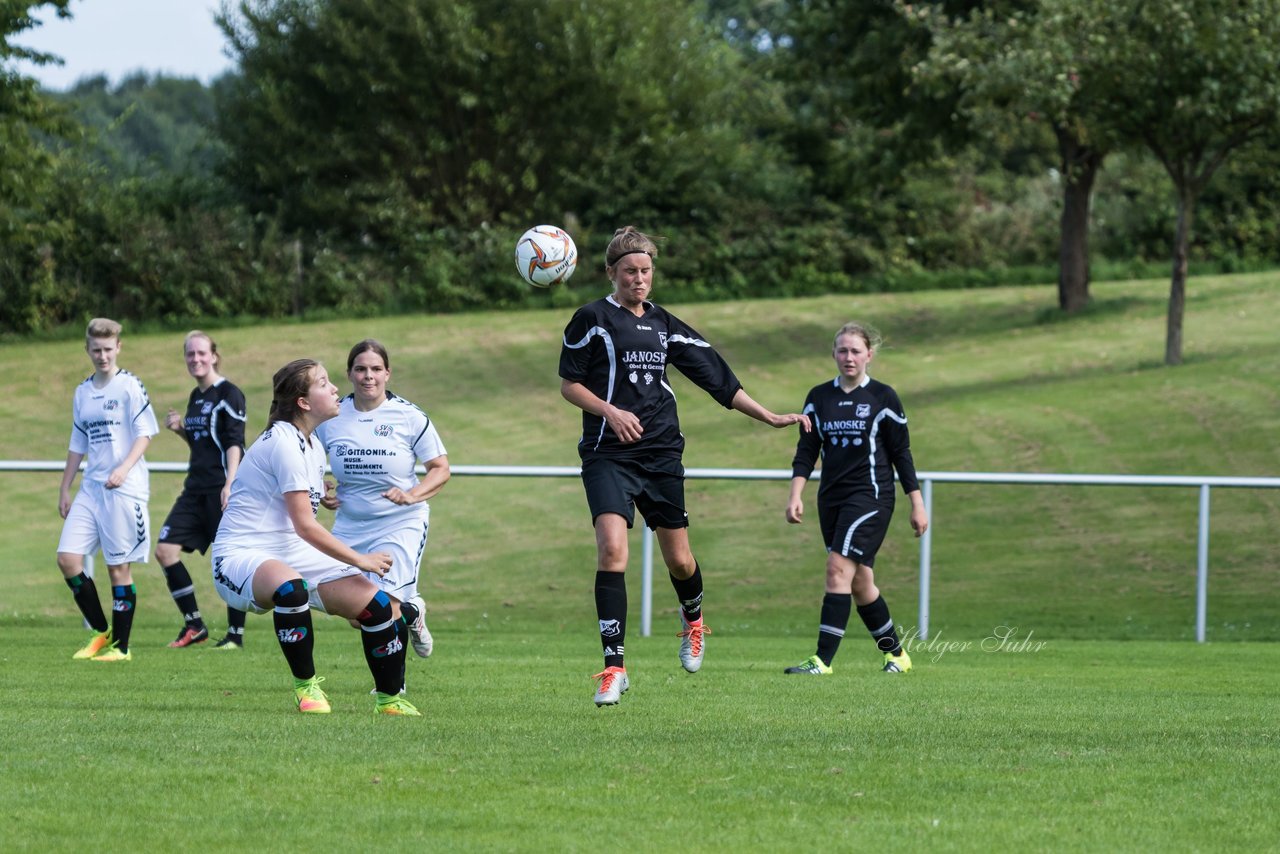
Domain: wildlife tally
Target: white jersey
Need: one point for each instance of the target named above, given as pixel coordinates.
(280, 461)
(105, 422)
(370, 452)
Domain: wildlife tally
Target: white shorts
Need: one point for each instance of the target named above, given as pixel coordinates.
(101, 517)
(405, 544)
(234, 567)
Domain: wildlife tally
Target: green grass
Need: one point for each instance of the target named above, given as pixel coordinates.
(1120, 733)
(1068, 746)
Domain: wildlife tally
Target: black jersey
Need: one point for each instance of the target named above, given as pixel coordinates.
(860, 434)
(623, 360)
(214, 424)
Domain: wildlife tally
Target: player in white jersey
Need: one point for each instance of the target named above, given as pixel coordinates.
(271, 552)
(374, 446)
(112, 423)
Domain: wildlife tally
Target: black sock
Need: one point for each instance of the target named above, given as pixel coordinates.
(183, 593)
(836, 608)
(689, 592)
(403, 628)
(875, 616)
(384, 648)
(611, 609)
(124, 601)
(235, 624)
(292, 617)
(85, 592)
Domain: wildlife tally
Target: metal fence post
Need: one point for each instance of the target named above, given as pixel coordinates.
(922, 618)
(646, 581)
(1202, 564)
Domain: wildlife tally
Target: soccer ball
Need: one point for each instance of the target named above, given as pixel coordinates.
(546, 256)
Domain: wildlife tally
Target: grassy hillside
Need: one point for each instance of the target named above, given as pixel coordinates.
(993, 380)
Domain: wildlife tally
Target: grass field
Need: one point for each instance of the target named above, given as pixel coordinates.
(1072, 746)
(1118, 733)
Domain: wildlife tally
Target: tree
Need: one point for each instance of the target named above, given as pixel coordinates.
(25, 166)
(894, 157)
(1201, 81)
(1037, 64)
(22, 108)
(381, 117)
(146, 125)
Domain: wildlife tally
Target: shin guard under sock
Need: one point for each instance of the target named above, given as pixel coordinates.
(384, 647)
(875, 616)
(292, 618)
(836, 608)
(235, 624)
(85, 592)
(611, 609)
(183, 593)
(689, 592)
(124, 601)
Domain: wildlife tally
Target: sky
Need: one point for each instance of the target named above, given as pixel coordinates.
(116, 37)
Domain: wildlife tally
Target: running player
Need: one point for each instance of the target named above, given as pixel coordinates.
(613, 366)
(213, 428)
(112, 423)
(860, 430)
(374, 445)
(271, 552)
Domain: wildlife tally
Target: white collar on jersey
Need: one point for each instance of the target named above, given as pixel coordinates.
(866, 378)
(648, 304)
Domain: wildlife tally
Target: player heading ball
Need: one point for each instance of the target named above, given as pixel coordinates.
(613, 366)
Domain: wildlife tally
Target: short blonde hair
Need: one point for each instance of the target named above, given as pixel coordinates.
(102, 327)
(864, 331)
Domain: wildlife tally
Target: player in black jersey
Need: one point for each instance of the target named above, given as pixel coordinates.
(860, 430)
(213, 428)
(613, 367)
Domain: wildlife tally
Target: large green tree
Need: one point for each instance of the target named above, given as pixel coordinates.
(890, 154)
(1191, 80)
(147, 125)
(1201, 80)
(379, 118)
(25, 165)
(1046, 63)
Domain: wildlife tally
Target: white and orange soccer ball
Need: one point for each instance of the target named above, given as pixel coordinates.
(546, 256)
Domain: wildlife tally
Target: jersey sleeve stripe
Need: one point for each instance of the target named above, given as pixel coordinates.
(685, 339)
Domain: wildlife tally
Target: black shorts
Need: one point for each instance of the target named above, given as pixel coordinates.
(193, 521)
(622, 486)
(855, 528)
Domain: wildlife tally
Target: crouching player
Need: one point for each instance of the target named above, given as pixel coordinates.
(271, 552)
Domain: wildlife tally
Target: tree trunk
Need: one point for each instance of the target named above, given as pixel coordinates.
(297, 276)
(1178, 286)
(1080, 165)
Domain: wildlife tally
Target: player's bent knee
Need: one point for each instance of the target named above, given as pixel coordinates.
(377, 613)
(291, 594)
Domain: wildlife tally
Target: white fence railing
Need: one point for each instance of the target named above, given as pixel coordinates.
(1202, 483)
